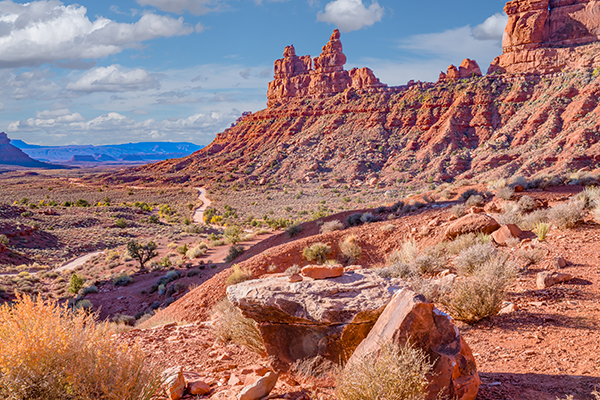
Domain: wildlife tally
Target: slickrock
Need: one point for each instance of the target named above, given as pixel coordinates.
(323, 271)
(327, 318)
(472, 223)
(548, 279)
(408, 317)
(505, 233)
(260, 389)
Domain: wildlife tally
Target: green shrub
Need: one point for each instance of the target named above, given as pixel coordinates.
(233, 234)
(142, 252)
(317, 252)
(81, 203)
(293, 230)
(122, 280)
(89, 289)
(394, 372)
(121, 223)
(231, 326)
(72, 357)
(75, 284)
(234, 252)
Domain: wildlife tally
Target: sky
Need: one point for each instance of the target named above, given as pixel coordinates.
(110, 71)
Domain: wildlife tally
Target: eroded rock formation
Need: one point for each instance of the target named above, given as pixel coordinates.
(468, 69)
(544, 36)
(296, 78)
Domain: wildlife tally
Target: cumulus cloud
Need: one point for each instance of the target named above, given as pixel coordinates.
(351, 15)
(112, 79)
(47, 31)
(492, 28)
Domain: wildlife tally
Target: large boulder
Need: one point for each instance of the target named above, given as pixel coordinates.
(310, 318)
(409, 317)
(472, 223)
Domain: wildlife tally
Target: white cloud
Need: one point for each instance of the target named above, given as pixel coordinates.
(492, 28)
(351, 15)
(41, 32)
(112, 79)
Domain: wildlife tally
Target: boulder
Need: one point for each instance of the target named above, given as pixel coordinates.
(323, 271)
(198, 388)
(505, 233)
(260, 389)
(409, 317)
(327, 318)
(175, 383)
(472, 223)
(548, 279)
(560, 262)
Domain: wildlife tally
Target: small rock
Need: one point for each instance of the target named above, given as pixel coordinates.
(547, 279)
(295, 278)
(260, 389)
(508, 309)
(224, 357)
(560, 263)
(199, 388)
(502, 235)
(323, 271)
(234, 380)
(174, 383)
(518, 189)
(224, 395)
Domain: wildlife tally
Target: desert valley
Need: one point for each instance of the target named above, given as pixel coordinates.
(352, 240)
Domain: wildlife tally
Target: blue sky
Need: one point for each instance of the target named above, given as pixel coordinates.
(107, 72)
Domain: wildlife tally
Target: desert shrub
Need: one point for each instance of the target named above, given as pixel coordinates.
(519, 181)
(293, 230)
(84, 304)
(394, 372)
(350, 249)
(590, 196)
(511, 217)
(317, 252)
(469, 193)
(4, 240)
(182, 249)
(89, 289)
(26, 214)
(122, 280)
(567, 215)
(463, 242)
(121, 223)
(398, 206)
(231, 326)
(197, 251)
(238, 275)
(474, 201)
(527, 204)
(407, 253)
(142, 252)
(458, 210)
(506, 193)
(75, 284)
(532, 256)
(471, 258)
(541, 230)
(481, 295)
(124, 319)
(531, 220)
(165, 262)
(234, 252)
(294, 269)
(354, 220)
(72, 357)
(367, 218)
(81, 203)
(233, 234)
(427, 264)
(331, 226)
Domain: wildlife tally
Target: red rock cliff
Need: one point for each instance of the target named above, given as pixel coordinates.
(296, 78)
(547, 36)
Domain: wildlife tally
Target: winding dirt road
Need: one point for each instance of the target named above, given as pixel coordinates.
(199, 213)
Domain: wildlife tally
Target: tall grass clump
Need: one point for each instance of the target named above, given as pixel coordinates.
(394, 372)
(481, 295)
(72, 356)
(472, 257)
(331, 226)
(231, 326)
(238, 275)
(350, 249)
(541, 230)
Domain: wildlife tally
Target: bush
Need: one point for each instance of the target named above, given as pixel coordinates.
(4, 240)
(317, 252)
(75, 284)
(462, 242)
(72, 357)
(527, 204)
(293, 230)
(590, 197)
(407, 253)
(367, 218)
(90, 289)
(121, 223)
(506, 193)
(197, 251)
(233, 234)
(231, 326)
(122, 319)
(567, 215)
(122, 280)
(81, 203)
(468, 193)
(532, 256)
(354, 220)
(142, 252)
(531, 220)
(234, 252)
(471, 258)
(458, 210)
(331, 226)
(394, 372)
(350, 249)
(238, 275)
(481, 295)
(541, 230)
(474, 201)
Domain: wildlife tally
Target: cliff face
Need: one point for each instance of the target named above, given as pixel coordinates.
(539, 112)
(10, 155)
(547, 36)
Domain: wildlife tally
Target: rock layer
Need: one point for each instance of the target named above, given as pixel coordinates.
(306, 319)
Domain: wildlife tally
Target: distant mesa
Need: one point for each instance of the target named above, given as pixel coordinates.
(10, 155)
(82, 158)
(105, 158)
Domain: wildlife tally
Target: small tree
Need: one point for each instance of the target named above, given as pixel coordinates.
(75, 284)
(142, 252)
(233, 234)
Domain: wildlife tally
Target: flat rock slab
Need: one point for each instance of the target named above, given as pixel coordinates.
(472, 223)
(310, 318)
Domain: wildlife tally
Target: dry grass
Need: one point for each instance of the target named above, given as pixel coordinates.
(331, 226)
(506, 193)
(238, 275)
(72, 357)
(567, 215)
(350, 249)
(317, 252)
(532, 256)
(480, 296)
(396, 372)
(463, 242)
(541, 230)
(472, 258)
(231, 326)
